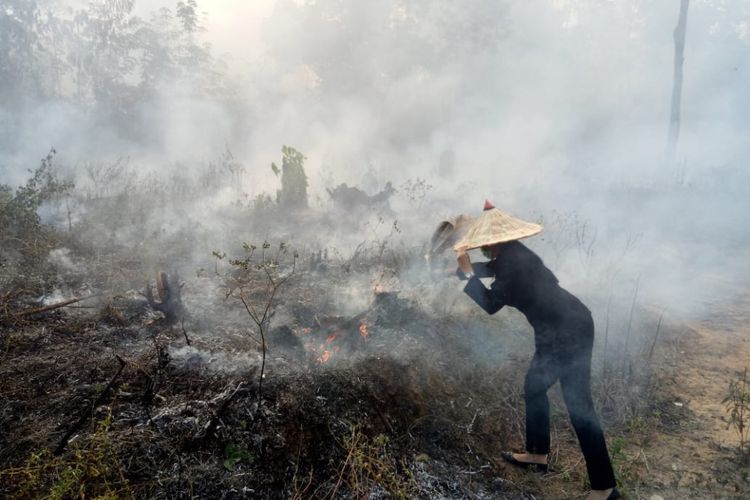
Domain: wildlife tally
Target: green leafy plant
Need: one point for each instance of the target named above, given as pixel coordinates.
(737, 405)
(21, 228)
(19, 211)
(621, 464)
(92, 469)
(293, 192)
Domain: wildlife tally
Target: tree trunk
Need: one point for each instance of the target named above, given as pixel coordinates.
(169, 291)
(679, 59)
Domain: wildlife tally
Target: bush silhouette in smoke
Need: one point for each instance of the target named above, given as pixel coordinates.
(293, 192)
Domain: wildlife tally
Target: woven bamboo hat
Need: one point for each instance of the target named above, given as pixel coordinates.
(495, 226)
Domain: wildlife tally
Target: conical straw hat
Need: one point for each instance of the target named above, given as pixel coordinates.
(495, 226)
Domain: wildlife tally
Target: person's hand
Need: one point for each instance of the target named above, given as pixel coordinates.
(464, 262)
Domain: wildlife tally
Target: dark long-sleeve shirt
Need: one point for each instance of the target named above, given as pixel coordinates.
(524, 282)
(563, 337)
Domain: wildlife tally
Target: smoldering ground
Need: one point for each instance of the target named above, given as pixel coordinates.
(365, 353)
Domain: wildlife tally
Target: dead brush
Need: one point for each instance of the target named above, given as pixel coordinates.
(370, 467)
(379, 251)
(256, 282)
(624, 396)
(627, 372)
(91, 469)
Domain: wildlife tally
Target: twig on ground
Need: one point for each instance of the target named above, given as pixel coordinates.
(86, 413)
(344, 465)
(470, 427)
(184, 332)
(656, 337)
(210, 427)
(645, 460)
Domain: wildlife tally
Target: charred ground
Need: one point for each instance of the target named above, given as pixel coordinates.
(379, 381)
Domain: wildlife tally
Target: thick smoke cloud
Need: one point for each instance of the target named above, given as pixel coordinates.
(548, 107)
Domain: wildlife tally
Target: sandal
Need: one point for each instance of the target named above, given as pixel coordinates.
(615, 495)
(508, 456)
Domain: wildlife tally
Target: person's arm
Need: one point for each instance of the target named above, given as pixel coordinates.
(488, 300)
(479, 269)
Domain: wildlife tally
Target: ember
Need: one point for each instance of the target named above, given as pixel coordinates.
(327, 352)
(363, 330)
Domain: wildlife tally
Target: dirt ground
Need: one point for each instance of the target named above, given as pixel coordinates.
(693, 460)
(681, 446)
(685, 449)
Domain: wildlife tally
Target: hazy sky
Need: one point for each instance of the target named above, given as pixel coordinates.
(532, 91)
(553, 82)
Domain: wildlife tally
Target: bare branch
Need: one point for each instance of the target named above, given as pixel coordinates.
(52, 307)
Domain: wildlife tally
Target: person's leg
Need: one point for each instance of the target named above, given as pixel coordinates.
(576, 388)
(543, 372)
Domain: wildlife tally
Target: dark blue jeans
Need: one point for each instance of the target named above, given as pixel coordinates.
(565, 354)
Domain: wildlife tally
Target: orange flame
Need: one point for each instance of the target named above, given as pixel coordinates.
(327, 352)
(363, 330)
(323, 358)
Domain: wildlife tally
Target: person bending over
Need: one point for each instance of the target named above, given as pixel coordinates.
(563, 338)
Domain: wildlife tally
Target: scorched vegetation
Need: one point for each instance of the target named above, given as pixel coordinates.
(271, 356)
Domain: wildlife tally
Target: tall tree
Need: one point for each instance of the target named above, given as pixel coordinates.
(22, 55)
(679, 59)
(188, 15)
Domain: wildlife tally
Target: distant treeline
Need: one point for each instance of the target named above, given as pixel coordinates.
(103, 57)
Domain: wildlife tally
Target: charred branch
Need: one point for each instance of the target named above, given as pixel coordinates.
(52, 307)
(210, 428)
(87, 412)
